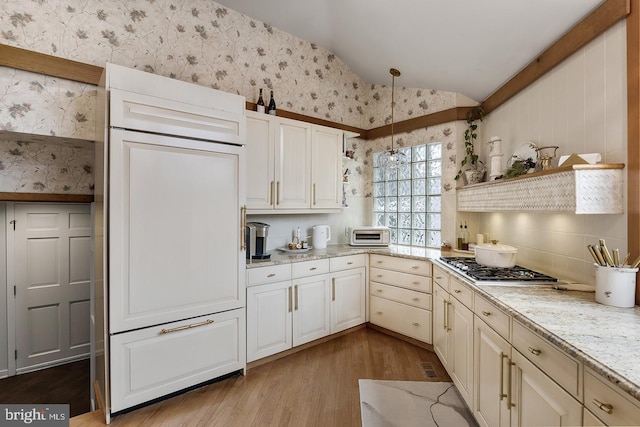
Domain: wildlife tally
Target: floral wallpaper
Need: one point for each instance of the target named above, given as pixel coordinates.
(198, 41)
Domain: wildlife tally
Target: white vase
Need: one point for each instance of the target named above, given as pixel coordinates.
(474, 176)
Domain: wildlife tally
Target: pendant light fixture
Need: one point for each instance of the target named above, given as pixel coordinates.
(392, 159)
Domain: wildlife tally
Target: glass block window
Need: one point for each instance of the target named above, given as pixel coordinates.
(408, 200)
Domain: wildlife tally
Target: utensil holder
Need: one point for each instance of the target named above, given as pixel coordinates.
(616, 286)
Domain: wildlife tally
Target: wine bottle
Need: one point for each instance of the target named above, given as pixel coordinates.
(272, 105)
(260, 104)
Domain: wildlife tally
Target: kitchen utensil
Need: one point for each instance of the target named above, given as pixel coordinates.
(605, 253)
(321, 235)
(496, 255)
(597, 257)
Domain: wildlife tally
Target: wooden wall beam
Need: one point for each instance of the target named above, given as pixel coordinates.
(49, 65)
(633, 134)
(444, 116)
(582, 33)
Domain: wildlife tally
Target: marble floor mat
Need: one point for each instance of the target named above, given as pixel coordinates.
(412, 403)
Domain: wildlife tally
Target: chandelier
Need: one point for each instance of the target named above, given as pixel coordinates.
(392, 159)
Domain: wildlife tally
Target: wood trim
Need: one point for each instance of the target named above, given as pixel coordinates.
(404, 338)
(43, 197)
(582, 33)
(633, 134)
(49, 65)
(444, 116)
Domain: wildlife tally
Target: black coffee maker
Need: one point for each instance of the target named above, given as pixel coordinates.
(256, 235)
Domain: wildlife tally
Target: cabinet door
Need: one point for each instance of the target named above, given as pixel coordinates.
(293, 164)
(312, 308)
(461, 350)
(539, 400)
(347, 299)
(326, 164)
(440, 327)
(174, 229)
(269, 319)
(260, 161)
(491, 371)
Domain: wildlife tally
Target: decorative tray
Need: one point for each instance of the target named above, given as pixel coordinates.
(295, 251)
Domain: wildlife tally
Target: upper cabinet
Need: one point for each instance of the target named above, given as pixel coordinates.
(292, 166)
(580, 189)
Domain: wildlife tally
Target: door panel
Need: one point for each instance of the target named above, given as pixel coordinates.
(52, 274)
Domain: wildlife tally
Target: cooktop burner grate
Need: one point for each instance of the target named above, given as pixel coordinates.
(471, 268)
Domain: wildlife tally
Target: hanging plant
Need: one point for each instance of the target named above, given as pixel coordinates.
(471, 160)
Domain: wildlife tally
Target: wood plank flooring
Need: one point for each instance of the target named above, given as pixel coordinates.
(314, 387)
(67, 383)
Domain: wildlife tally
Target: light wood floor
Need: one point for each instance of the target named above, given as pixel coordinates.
(315, 387)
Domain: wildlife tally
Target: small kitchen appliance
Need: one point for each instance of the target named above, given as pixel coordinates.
(321, 235)
(370, 236)
(256, 234)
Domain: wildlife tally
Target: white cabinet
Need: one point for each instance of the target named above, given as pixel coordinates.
(292, 166)
(400, 295)
(326, 164)
(151, 362)
(611, 406)
(453, 334)
(293, 304)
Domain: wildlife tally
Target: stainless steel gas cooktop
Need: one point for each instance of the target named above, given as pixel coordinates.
(469, 267)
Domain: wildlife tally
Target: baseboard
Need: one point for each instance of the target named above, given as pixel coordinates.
(405, 338)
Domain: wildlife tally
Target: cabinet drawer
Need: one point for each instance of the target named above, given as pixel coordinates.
(406, 320)
(608, 403)
(309, 268)
(405, 280)
(405, 296)
(149, 363)
(347, 262)
(413, 266)
(558, 365)
(441, 277)
(462, 292)
(492, 316)
(270, 274)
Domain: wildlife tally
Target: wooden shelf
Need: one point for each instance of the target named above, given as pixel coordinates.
(581, 189)
(42, 197)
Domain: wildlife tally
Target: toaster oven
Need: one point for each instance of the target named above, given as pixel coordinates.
(369, 236)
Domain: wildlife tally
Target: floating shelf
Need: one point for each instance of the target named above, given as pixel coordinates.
(581, 189)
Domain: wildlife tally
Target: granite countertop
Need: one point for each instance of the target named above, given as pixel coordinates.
(604, 338)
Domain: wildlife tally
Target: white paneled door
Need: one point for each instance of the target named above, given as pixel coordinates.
(52, 244)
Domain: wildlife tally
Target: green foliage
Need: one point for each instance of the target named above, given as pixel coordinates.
(471, 159)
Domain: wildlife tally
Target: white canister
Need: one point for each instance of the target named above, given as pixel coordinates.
(616, 286)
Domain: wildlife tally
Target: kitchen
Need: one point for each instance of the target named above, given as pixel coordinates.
(567, 235)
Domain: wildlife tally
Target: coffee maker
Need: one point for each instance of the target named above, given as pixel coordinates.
(256, 235)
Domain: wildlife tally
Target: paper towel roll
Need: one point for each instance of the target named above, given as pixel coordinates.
(479, 239)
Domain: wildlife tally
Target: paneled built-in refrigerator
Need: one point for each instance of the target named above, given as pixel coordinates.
(169, 262)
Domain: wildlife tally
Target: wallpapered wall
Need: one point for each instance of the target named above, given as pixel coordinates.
(197, 41)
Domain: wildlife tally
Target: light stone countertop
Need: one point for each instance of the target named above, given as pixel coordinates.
(604, 338)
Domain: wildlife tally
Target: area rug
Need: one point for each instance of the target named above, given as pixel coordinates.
(412, 403)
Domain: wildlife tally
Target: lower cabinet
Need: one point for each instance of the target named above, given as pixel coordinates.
(153, 362)
(404, 319)
(313, 302)
(610, 405)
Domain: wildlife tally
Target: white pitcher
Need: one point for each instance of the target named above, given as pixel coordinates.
(321, 235)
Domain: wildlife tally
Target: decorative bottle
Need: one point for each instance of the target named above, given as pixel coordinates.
(465, 238)
(272, 105)
(260, 104)
(460, 237)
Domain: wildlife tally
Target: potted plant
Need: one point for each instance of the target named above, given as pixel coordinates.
(474, 171)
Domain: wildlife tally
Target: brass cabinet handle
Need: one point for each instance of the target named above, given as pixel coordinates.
(290, 296)
(448, 305)
(296, 297)
(314, 194)
(379, 290)
(438, 277)
(379, 313)
(534, 351)
(350, 262)
(415, 267)
(185, 327)
(486, 313)
(416, 299)
(271, 275)
(379, 261)
(444, 315)
(415, 283)
(378, 275)
(606, 407)
(510, 404)
(502, 357)
(416, 324)
(243, 227)
(333, 289)
(277, 192)
(457, 291)
(271, 191)
(313, 268)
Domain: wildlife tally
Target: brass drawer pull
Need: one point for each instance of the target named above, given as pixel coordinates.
(486, 313)
(350, 262)
(416, 324)
(534, 351)
(502, 394)
(606, 407)
(379, 262)
(379, 313)
(379, 290)
(378, 275)
(415, 283)
(438, 277)
(416, 299)
(457, 291)
(271, 275)
(415, 267)
(185, 327)
(313, 268)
